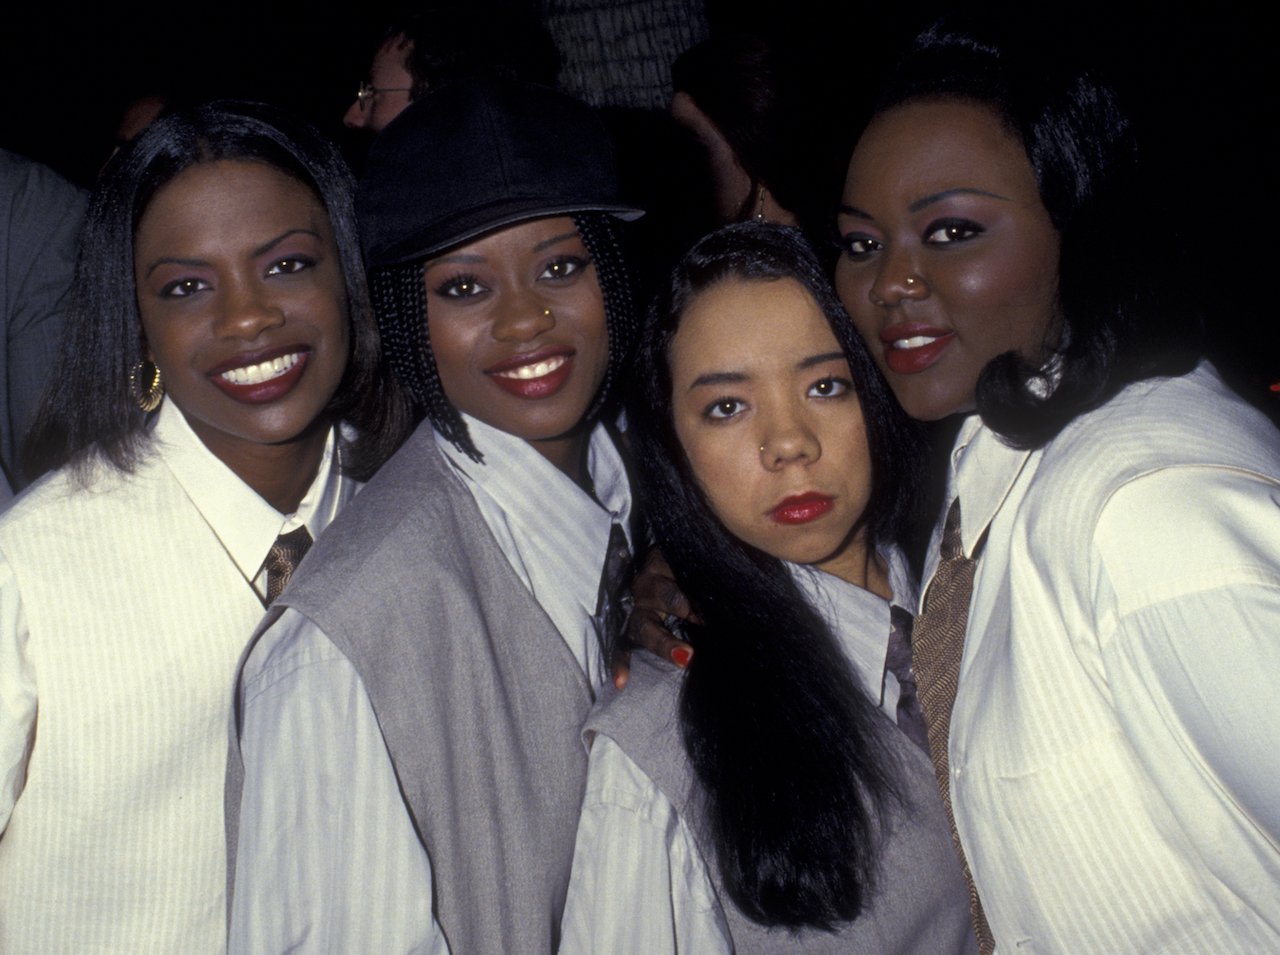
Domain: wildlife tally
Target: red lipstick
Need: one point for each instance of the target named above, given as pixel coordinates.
(911, 348)
(539, 374)
(259, 377)
(802, 508)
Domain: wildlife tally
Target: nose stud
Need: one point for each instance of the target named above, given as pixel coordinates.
(546, 313)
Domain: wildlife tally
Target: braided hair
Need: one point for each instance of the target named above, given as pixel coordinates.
(400, 304)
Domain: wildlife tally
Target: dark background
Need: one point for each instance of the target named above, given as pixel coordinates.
(1200, 80)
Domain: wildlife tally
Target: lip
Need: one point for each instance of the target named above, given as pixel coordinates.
(802, 508)
(265, 385)
(911, 348)
(522, 376)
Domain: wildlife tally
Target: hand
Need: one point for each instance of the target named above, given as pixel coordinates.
(659, 604)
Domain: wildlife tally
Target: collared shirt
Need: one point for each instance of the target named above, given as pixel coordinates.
(1113, 764)
(640, 884)
(138, 855)
(551, 532)
(243, 520)
(309, 734)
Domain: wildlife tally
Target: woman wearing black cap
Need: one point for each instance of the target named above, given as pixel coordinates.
(408, 718)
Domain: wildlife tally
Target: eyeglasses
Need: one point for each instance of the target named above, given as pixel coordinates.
(367, 91)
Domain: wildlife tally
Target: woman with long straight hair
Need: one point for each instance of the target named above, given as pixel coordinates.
(770, 797)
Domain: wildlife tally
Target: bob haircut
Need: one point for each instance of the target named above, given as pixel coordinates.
(1120, 322)
(89, 413)
(770, 698)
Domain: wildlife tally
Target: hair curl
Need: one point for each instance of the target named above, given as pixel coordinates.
(1121, 321)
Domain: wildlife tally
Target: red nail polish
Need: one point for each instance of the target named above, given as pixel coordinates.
(681, 656)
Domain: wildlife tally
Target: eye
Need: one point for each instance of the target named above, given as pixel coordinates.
(290, 265)
(563, 267)
(858, 245)
(181, 288)
(723, 408)
(460, 286)
(829, 388)
(951, 230)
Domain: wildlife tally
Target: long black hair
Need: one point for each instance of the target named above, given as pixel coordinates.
(1122, 319)
(400, 301)
(788, 747)
(87, 411)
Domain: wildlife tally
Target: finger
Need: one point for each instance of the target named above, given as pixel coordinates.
(621, 668)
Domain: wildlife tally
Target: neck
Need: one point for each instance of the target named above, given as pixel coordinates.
(283, 473)
(859, 564)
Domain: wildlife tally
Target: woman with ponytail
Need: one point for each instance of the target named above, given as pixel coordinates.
(770, 796)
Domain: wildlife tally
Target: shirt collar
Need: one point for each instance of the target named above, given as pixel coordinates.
(532, 491)
(858, 618)
(983, 471)
(243, 521)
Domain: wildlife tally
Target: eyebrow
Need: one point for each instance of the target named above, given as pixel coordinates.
(555, 240)
(202, 263)
(736, 377)
(926, 201)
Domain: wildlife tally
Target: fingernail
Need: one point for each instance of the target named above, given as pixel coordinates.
(681, 656)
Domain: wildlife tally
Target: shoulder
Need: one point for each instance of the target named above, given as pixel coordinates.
(37, 197)
(65, 499)
(1194, 419)
(647, 709)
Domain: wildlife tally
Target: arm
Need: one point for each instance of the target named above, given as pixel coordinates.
(44, 217)
(17, 696)
(639, 885)
(1189, 627)
(327, 857)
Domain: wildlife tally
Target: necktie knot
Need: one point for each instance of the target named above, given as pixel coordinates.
(285, 555)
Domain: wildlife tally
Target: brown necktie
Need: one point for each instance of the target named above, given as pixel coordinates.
(898, 662)
(286, 553)
(936, 648)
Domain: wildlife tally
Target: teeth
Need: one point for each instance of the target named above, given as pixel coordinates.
(536, 370)
(263, 371)
(918, 342)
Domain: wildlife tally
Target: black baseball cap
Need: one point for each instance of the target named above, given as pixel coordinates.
(477, 155)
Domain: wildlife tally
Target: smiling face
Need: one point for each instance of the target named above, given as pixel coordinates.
(517, 325)
(764, 407)
(950, 257)
(243, 306)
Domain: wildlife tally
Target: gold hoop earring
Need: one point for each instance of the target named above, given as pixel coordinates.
(147, 397)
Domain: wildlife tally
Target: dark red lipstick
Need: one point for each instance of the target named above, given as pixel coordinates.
(258, 384)
(802, 508)
(910, 348)
(539, 374)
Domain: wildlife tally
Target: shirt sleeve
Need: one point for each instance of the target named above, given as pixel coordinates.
(327, 856)
(1190, 635)
(17, 695)
(639, 885)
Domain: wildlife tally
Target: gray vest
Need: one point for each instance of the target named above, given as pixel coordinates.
(922, 907)
(478, 697)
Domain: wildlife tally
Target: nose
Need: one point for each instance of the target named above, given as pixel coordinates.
(788, 439)
(522, 318)
(247, 311)
(356, 116)
(897, 279)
